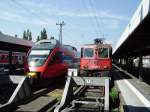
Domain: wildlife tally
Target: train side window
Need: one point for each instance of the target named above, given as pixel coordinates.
(103, 52)
(16, 57)
(6, 57)
(13, 57)
(19, 57)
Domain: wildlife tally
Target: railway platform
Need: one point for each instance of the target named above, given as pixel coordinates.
(134, 94)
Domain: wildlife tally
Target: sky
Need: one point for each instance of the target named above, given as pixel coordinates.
(84, 20)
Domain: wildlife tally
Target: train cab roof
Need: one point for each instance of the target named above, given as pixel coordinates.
(46, 44)
(96, 45)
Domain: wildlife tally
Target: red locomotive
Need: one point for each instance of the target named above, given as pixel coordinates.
(95, 58)
(49, 59)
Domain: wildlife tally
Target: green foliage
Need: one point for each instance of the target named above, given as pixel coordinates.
(115, 110)
(16, 35)
(114, 100)
(114, 94)
(30, 36)
(27, 35)
(38, 38)
(43, 35)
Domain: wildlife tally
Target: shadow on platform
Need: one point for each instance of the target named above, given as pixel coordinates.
(129, 108)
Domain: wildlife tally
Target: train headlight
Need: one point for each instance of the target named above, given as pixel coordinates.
(105, 67)
(32, 74)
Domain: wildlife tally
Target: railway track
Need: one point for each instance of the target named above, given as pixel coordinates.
(89, 99)
(84, 94)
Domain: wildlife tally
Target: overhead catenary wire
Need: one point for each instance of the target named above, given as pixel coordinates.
(95, 15)
(40, 17)
(90, 18)
(26, 9)
(33, 13)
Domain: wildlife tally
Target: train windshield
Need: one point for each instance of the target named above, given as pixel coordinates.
(88, 52)
(38, 57)
(103, 52)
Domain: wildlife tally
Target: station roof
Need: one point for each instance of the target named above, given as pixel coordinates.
(135, 40)
(14, 44)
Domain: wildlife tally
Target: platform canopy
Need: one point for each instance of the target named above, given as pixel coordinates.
(135, 40)
(10, 43)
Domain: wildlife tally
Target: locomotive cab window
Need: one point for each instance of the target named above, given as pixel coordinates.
(88, 52)
(103, 52)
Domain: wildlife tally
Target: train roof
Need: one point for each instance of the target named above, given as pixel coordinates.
(70, 47)
(50, 44)
(46, 44)
(48, 41)
(99, 45)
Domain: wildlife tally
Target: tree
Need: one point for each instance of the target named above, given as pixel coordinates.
(30, 36)
(25, 35)
(38, 38)
(16, 36)
(28, 32)
(43, 34)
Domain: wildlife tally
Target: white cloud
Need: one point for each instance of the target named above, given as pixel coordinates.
(24, 19)
(103, 14)
(41, 14)
(114, 24)
(48, 9)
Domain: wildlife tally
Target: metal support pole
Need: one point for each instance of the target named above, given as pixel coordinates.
(60, 30)
(140, 68)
